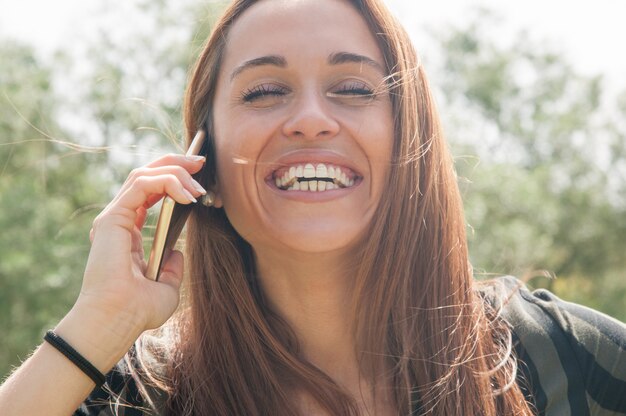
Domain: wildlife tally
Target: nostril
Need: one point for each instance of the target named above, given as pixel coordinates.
(319, 135)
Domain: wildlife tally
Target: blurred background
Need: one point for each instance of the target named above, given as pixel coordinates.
(533, 98)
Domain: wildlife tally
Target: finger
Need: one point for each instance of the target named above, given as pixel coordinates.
(145, 187)
(167, 290)
(140, 219)
(172, 270)
(181, 173)
(152, 200)
(129, 207)
(190, 163)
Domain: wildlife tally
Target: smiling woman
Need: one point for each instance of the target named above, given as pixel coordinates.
(302, 97)
(329, 273)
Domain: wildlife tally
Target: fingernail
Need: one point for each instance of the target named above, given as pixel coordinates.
(195, 158)
(189, 196)
(198, 187)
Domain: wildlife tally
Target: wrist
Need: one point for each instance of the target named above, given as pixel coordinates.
(102, 338)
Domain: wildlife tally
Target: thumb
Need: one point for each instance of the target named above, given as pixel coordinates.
(172, 270)
(166, 292)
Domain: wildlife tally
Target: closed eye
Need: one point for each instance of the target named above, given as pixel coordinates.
(355, 89)
(259, 92)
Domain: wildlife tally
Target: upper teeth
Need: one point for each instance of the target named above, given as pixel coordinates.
(313, 178)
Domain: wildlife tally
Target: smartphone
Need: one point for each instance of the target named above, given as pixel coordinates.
(171, 219)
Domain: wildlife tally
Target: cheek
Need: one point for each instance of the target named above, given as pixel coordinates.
(237, 149)
(231, 167)
(242, 136)
(235, 189)
(380, 152)
(233, 149)
(379, 144)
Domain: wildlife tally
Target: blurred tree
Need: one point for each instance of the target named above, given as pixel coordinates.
(127, 104)
(549, 190)
(49, 195)
(137, 75)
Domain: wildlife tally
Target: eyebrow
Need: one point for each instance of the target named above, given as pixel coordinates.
(339, 58)
(336, 58)
(274, 60)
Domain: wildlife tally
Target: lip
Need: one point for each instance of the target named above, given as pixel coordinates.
(310, 156)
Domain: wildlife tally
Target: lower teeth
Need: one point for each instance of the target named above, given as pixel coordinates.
(315, 186)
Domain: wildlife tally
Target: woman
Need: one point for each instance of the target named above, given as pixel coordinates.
(331, 274)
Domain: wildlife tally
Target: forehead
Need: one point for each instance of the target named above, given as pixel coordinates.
(301, 28)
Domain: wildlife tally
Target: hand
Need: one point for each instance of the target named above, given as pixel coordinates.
(114, 282)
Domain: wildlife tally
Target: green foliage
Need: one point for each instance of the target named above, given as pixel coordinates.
(49, 195)
(137, 79)
(548, 193)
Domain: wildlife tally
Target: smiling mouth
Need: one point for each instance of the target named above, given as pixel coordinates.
(318, 178)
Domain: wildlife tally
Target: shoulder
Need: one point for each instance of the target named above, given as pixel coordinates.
(118, 396)
(127, 390)
(572, 358)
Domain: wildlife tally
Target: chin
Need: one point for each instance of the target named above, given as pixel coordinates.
(313, 239)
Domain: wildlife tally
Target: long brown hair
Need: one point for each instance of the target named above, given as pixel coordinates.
(421, 326)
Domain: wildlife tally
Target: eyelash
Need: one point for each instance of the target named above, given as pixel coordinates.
(261, 91)
(352, 89)
(355, 89)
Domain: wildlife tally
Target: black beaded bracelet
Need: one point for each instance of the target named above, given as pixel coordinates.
(73, 355)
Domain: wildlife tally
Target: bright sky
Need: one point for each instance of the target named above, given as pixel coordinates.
(590, 33)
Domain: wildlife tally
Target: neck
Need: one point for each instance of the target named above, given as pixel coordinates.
(312, 292)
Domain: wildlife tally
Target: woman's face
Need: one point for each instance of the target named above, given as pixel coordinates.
(303, 145)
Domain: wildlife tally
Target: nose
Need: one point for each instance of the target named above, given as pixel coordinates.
(311, 119)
